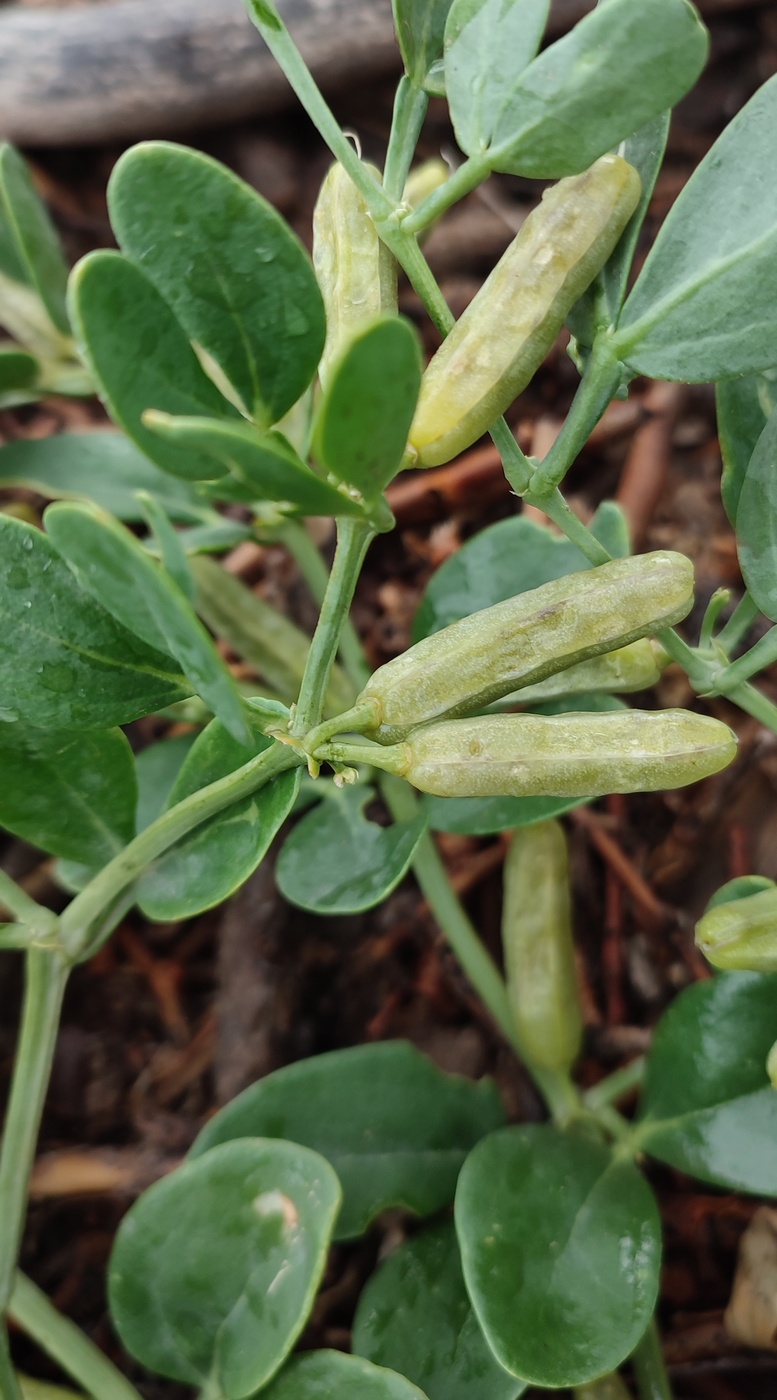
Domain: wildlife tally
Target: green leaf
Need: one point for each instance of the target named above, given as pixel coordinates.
(420, 26)
(215, 1268)
(488, 43)
(118, 571)
(141, 358)
(394, 1127)
(218, 856)
(265, 463)
(508, 558)
(30, 250)
(620, 66)
(416, 1317)
(261, 635)
(703, 305)
(335, 861)
(560, 1246)
(157, 768)
(64, 661)
(321, 1375)
(238, 280)
(166, 544)
(741, 420)
(708, 1107)
(756, 522)
(104, 467)
(18, 370)
(364, 416)
(71, 794)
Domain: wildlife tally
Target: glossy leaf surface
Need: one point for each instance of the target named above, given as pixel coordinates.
(702, 307)
(365, 414)
(756, 522)
(104, 467)
(320, 1375)
(30, 250)
(219, 855)
(415, 1316)
(238, 280)
(708, 1107)
(336, 861)
(560, 1247)
(741, 420)
(215, 1268)
(73, 795)
(263, 463)
(64, 661)
(141, 358)
(118, 571)
(741, 887)
(420, 26)
(619, 67)
(394, 1127)
(488, 43)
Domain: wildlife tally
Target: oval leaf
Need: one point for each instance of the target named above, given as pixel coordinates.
(756, 522)
(337, 862)
(238, 280)
(104, 467)
(365, 413)
(415, 1316)
(157, 768)
(560, 1246)
(218, 856)
(73, 795)
(264, 462)
(708, 1107)
(619, 67)
(487, 44)
(118, 571)
(703, 305)
(420, 26)
(215, 1268)
(741, 420)
(34, 255)
(64, 661)
(141, 358)
(395, 1128)
(321, 1375)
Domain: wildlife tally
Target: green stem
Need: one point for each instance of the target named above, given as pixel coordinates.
(410, 258)
(739, 623)
(410, 106)
(616, 1085)
(755, 703)
(517, 467)
(468, 176)
(308, 559)
(557, 509)
(9, 1385)
(84, 921)
(763, 654)
(67, 1344)
(719, 600)
(47, 973)
(649, 1368)
(353, 540)
(597, 388)
(13, 898)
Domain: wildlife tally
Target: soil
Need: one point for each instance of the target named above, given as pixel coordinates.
(170, 1021)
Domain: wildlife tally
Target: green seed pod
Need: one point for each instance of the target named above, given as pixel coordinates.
(356, 272)
(538, 948)
(562, 755)
(741, 934)
(620, 672)
(508, 329)
(491, 653)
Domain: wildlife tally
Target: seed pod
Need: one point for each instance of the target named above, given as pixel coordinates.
(508, 329)
(475, 661)
(742, 933)
(538, 948)
(356, 272)
(562, 755)
(620, 672)
(771, 1065)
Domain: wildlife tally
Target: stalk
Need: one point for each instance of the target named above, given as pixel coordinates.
(648, 1361)
(67, 1344)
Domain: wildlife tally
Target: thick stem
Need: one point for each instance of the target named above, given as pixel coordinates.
(556, 508)
(649, 1368)
(26, 910)
(410, 106)
(739, 623)
(468, 176)
(755, 703)
(763, 654)
(47, 973)
(353, 540)
(67, 1344)
(308, 559)
(597, 388)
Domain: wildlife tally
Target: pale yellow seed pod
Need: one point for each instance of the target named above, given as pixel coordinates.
(538, 947)
(622, 672)
(507, 330)
(771, 1065)
(356, 272)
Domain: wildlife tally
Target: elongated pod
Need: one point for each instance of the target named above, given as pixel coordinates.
(356, 272)
(508, 329)
(742, 933)
(475, 661)
(538, 947)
